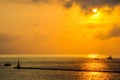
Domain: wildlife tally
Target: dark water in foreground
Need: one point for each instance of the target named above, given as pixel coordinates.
(8, 73)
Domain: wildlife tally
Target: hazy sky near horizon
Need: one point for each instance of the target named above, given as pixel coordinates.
(60, 27)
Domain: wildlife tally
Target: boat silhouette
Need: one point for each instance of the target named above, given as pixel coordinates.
(7, 64)
(110, 57)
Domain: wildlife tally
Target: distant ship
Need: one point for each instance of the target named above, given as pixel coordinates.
(110, 57)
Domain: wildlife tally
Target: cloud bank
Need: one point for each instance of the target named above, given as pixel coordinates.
(113, 33)
(4, 37)
(84, 4)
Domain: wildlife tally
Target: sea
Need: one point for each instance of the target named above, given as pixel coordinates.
(72, 64)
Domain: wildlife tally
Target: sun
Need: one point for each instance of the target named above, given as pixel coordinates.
(95, 15)
(95, 10)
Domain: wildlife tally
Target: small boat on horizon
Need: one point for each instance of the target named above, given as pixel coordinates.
(7, 64)
(110, 58)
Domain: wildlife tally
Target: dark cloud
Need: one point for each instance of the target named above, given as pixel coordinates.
(113, 33)
(86, 4)
(68, 4)
(4, 37)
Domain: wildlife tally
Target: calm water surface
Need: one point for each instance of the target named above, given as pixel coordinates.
(8, 73)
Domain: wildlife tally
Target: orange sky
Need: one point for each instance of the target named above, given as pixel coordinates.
(53, 27)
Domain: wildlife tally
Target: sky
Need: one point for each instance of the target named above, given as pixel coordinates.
(60, 27)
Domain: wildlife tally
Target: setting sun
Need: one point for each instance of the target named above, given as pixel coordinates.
(95, 10)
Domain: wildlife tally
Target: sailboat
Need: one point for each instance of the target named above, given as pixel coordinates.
(110, 57)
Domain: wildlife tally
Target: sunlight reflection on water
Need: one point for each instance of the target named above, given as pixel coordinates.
(94, 65)
(94, 76)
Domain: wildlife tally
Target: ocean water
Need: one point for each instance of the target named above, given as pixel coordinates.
(8, 73)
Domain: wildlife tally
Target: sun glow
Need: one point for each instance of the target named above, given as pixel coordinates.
(93, 56)
(96, 15)
(95, 10)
